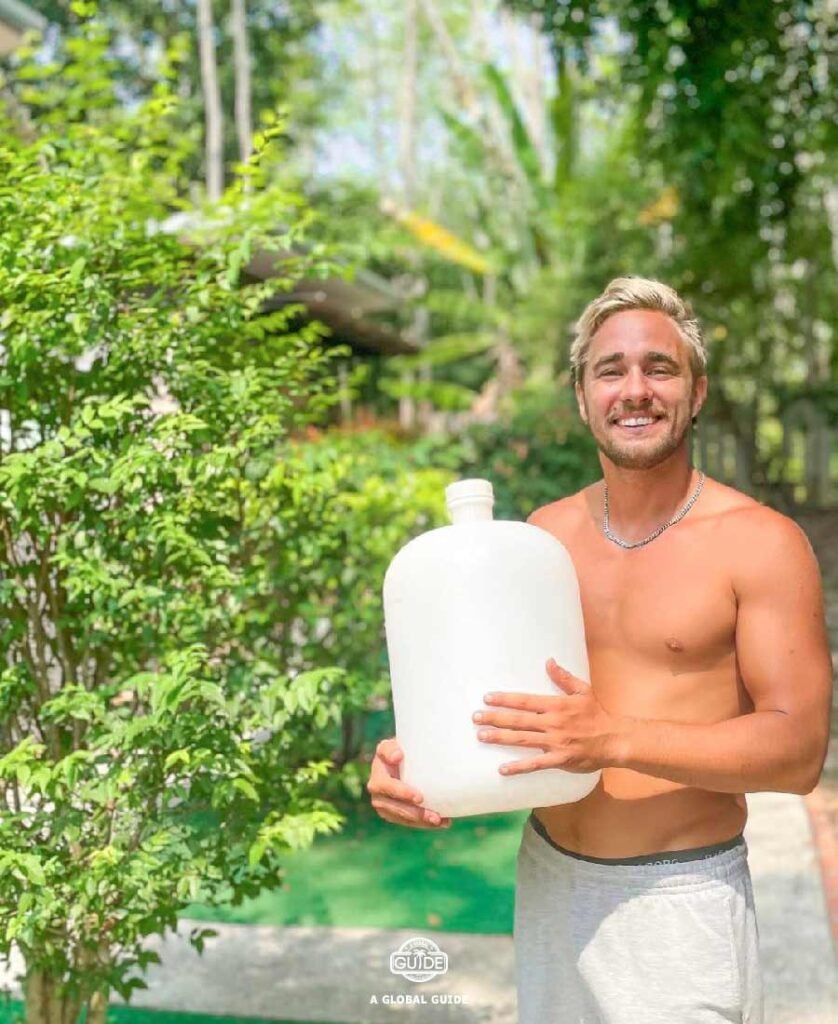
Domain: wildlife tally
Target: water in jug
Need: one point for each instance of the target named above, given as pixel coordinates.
(469, 608)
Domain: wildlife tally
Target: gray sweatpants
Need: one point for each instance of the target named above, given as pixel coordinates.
(666, 939)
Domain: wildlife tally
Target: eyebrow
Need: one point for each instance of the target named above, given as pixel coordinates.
(662, 357)
(650, 357)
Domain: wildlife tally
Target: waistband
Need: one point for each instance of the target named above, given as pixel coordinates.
(682, 869)
(664, 857)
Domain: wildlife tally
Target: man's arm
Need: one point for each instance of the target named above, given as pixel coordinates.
(784, 660)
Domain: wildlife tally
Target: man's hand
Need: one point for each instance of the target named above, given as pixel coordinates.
(573, 732)
(393, 799)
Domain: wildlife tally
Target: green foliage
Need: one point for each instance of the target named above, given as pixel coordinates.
(537, 452)
(279, 36)
(371, 490)
(727, 111)
(167, 711)
(365, 495)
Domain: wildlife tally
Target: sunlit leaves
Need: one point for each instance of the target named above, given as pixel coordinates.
(155, 573)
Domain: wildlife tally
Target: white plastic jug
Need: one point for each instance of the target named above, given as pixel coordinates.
(477, 606)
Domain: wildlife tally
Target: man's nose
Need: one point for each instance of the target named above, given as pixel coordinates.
(636, 386)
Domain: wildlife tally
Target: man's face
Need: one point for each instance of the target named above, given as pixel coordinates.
(638, 393)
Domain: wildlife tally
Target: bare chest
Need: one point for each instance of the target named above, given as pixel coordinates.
(672, 605)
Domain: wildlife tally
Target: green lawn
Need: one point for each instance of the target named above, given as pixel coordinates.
(378, 875)
(375, 875)
(11, 1012)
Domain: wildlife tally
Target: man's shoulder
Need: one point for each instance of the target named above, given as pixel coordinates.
(756, 535)
(742, 514)
(563, 512)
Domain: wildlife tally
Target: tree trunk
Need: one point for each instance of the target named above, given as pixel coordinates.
(407, 113)
(46, 1004)
(407, 158)
(97, 1008)
(496, 131)
(537, 98)
(345, 396)
(478, 30)
(830, 202)
(241, 63)
(213, 131)
(518, 71)
(377, 110)
(565, 128)
(467, 95)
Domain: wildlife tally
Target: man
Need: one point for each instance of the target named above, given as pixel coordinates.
(710, 678)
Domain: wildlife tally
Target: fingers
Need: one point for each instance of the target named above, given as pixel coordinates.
(524, 767)
(547, 760)
(513, 738)
(386, 786)
(521, 701)
(384, 781)
(399, 813)
(565, 680)
(392, 799)
(390, 751)
(511, 719)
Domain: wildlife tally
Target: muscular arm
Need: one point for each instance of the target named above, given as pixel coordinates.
(784, 660)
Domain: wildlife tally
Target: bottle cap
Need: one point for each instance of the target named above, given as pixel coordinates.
(469, 490)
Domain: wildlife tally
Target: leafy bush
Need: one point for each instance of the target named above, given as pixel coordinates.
(384, 488)
(537, 452)
(366, 496)
(166, 718)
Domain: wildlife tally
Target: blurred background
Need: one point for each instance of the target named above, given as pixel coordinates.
(411, 202)
(484, 168)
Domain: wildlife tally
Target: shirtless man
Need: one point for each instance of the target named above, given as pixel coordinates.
(710, 678)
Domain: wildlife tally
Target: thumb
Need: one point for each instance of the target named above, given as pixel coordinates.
(563, 679)
(389, 750)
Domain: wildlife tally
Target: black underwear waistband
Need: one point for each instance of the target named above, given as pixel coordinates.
(664, 857)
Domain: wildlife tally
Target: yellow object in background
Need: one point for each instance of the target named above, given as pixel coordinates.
(663, 208)
(438, 238)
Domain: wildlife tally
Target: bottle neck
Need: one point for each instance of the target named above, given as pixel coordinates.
(476, 510)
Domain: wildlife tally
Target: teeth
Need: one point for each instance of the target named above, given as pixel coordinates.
(636, 422)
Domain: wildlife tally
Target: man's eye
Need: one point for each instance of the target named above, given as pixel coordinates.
(609, 373)
(661, 371)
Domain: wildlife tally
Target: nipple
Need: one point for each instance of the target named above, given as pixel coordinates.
(674, 644)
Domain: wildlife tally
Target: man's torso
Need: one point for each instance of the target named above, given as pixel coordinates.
(660, 623)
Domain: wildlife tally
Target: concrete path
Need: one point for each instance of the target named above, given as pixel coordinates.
(325, 974)
(343, 974)
(334, 974)
(799, 966)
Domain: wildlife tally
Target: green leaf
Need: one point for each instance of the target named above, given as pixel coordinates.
(525, 150)
(175, 758)
(246, 787)
(256, 852)
(77, 269)
(103, 485)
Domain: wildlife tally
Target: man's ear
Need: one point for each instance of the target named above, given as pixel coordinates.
(699, 395)
(580, 401)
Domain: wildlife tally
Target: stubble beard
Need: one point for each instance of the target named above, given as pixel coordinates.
(640, 456)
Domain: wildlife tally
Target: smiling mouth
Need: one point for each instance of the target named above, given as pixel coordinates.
(636, 424)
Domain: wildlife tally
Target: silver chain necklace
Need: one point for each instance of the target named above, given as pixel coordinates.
(606, 529)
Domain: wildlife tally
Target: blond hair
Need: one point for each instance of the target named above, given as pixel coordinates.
(625, 293)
